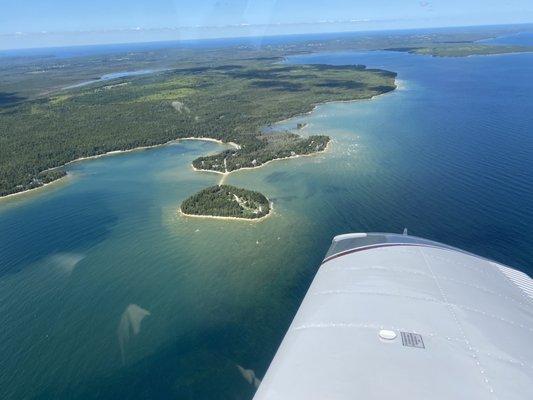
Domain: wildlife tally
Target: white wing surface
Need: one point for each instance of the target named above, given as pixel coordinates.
(398, 317)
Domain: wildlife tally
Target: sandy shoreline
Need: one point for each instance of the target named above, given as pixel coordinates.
(34, 190)
(242, 219)
(206, 139)
(112, 153)
(400, 85)
(115, 152)
(262, 165)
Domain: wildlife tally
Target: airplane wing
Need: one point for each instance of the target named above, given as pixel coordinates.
(400, 317)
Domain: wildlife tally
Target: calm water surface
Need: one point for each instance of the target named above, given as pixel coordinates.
(107, 293)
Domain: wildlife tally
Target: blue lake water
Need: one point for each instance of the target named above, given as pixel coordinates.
(106, 292)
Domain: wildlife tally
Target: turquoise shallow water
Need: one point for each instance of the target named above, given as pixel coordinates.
(107, 293)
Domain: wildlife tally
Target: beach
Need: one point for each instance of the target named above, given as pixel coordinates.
(181, 213)
(265, 163)
(36, 190)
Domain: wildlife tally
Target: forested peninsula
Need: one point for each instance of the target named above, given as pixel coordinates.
(229, 102)
(273, 146)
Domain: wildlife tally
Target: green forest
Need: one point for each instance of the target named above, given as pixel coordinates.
(227, 201)
(227, 102)
(272, 146)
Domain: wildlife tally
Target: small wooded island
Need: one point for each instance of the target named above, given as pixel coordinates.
(226, 201)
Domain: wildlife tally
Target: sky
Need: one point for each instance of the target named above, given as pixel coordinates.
(43, 23)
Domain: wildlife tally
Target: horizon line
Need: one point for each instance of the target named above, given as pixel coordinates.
(229, 37)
